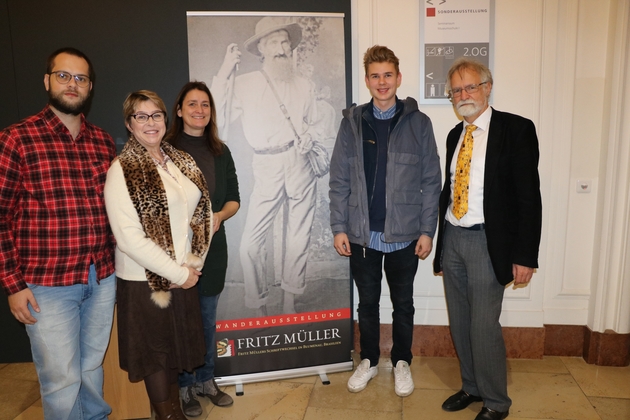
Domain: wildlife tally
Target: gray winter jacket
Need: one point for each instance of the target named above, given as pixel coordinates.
(413, 177)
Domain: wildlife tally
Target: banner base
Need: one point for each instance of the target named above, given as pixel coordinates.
(285, 374)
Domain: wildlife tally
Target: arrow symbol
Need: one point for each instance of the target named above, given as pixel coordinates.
(430, 76)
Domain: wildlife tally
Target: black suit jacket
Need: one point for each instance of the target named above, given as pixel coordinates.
(512, 205)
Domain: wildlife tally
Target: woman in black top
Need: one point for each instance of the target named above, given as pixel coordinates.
(194, 130)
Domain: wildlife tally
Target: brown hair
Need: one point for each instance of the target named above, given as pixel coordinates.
(135, 98)
(379, 54)
(50, 62)
(211, 132)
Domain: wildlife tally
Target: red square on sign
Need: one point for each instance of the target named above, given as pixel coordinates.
(431, 12)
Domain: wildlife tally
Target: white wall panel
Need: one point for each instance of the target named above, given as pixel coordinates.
(555, 64)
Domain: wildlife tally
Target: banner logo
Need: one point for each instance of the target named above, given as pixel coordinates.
(226, 348)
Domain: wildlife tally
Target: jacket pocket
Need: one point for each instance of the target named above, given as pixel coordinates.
(406, 212)
(407, 171)
(354, 216)
(406, 158)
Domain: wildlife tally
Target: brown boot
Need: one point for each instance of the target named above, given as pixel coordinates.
(163, 410)
(177, 408)
(210, 389)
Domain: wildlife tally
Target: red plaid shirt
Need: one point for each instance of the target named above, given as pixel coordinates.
(53, 223)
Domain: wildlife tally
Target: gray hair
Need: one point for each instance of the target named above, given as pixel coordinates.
(464, 63)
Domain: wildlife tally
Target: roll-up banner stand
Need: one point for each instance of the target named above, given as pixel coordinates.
(278, 83)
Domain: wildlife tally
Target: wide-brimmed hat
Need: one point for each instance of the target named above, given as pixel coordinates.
(270, 24)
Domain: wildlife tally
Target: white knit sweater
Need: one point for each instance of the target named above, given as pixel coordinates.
(134, 250)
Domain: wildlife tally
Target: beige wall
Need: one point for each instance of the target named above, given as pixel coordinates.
(562, 64)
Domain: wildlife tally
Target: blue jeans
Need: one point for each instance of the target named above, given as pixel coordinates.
(209, 317)
(68, 343)
(400, 270)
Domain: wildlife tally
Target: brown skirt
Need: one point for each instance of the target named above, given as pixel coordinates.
(150, 338)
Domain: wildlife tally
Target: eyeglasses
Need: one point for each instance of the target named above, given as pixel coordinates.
(63, 77)
(144, 118)
(457, 92)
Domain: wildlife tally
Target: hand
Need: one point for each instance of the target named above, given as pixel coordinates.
(424, 246)
(522, 274)
(305, 144)
(230, 62)
(18, 303)
(217, 218)
(342, 245)
(193, 277)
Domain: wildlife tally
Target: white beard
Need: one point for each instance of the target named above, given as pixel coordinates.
(280, 68)
(469, 107)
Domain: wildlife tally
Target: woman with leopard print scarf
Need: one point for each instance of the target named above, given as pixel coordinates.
(160, 213)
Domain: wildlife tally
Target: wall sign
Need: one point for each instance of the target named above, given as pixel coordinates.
(452, 29)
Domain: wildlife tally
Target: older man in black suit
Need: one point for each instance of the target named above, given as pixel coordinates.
(490, 224)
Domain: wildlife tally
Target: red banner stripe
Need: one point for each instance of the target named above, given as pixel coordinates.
(281, 320)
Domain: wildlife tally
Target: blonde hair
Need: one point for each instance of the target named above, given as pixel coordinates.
(379, 54)
(134, 99)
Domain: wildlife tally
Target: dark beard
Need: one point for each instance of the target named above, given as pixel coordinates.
(280, 68)
(71, 109)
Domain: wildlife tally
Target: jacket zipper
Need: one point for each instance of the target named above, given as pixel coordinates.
(359, 132)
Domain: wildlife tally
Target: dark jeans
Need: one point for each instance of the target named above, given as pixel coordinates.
(209, 317)
(400, 271)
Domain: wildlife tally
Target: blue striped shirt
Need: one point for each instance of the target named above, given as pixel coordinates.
(384, 115)
(377, 243)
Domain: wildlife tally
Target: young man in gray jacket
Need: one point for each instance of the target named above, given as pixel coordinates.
(385, 181)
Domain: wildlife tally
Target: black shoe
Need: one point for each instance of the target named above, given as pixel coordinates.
(459, 401)
(487, 414)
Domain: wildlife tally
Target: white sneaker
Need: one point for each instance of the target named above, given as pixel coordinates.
(403, 382)
(361, 376)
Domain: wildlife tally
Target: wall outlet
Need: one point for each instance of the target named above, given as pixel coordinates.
(583, 186)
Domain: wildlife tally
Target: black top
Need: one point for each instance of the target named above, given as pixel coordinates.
(224, 183)
(376, 196)
(197, 147)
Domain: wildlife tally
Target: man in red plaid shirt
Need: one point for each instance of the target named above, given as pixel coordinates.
(56, 247)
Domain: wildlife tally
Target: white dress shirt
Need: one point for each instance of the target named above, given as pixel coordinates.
(477, 168)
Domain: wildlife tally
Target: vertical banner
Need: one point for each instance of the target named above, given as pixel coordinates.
(452, 29)
(278, 83)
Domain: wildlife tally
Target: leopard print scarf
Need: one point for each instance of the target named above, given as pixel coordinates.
(148, 196)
